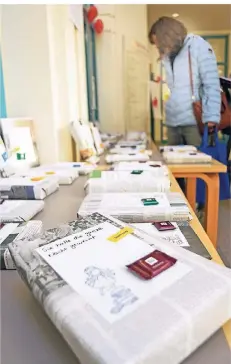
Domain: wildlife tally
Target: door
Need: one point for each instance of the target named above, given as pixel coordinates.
(220, 44)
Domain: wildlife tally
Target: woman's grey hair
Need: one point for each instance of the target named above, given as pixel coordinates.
(170, 34)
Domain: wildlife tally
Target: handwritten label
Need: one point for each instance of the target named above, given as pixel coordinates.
(120, 235)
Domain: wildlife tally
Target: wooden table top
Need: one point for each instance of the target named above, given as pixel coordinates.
(214, 167)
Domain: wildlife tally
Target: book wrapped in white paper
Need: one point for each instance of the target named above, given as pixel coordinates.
(130, 143)
(113, 138)
(157, 168)
(83, 168)
(19, 210)
(136, 135)
(128, 150)
(126, 181)
(159, 321)
(113, 158)
(186, 157)
(97, 139)
(177, 148)
(63, 176)
(130, 208)
(83, 138)
(24, 188)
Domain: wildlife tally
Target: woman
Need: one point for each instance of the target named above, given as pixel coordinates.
(170, 37)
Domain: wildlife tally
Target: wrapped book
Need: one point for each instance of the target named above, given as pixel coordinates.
(157, 168)
(12, 232)
(177, 148)
(113, 158)
(83, 168)
(136, 136)
(97, 139)
(137, 207)
(63, 176)
(128, 150)
(83, 138)
(33, 188)
(18, 211)
(188, 157)
(126, 181)
(78, 273)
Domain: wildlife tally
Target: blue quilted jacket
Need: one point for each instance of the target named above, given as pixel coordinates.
(205, 80)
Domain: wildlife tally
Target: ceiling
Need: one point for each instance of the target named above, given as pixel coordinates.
(195, 17)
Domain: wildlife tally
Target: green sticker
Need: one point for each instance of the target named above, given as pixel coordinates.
(149, 201)
(136, 172)
(95, 174)
(21, 156)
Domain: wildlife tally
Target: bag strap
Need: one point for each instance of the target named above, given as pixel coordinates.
(190, 73)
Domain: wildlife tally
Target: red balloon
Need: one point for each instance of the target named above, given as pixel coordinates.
(92, 13)
(155, 102)
(98, 26)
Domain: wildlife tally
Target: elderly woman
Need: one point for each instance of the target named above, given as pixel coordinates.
(174, 44)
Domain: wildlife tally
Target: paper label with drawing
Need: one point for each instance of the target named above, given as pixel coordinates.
(96, 269)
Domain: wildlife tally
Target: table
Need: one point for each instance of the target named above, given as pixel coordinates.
(28, 336)
(210, 175)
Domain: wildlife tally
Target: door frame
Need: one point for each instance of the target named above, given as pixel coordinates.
(226, 50)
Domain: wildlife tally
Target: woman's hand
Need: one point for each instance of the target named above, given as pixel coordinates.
(211, 126)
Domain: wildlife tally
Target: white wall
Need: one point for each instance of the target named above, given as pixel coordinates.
(35, 58)
(121, 22)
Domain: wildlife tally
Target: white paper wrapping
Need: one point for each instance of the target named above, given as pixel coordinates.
(125, 181)
(113, 158)
(83, 168)
(165, 329)
(23, 188)
(83, 138)
(130, 208)
(128, 150)
(157, 168)
(189, 157)
(97, 139)
(19, 210)
(63, 176)
(136, 135)
(113, 138)
(173, 236)
(177, 148)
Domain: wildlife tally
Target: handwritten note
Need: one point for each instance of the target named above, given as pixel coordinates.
(96, 269)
